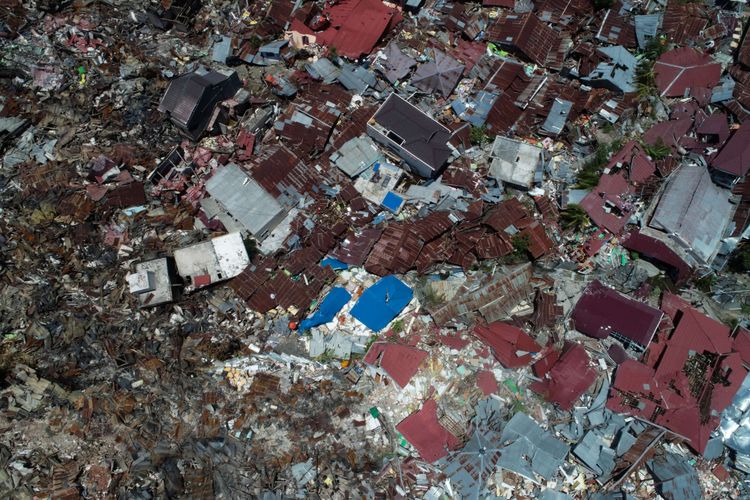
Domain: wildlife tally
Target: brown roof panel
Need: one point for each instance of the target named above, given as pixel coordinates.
(356, 247)
(527, 34)
(395, 252)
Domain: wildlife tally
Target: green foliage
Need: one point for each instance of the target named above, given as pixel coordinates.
(333, 53)
(520, 244)
(654, 48)
(706, 283)
(589, 175)
(397, 326)
(255, 42)
(740, 261)
(478, 136)
(657, 151)
(251, 247)
(645, 78)
(574, 217)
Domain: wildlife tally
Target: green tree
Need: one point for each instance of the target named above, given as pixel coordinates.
(574, 217)
(645, 78)
(657, 151)
(740, 260)
(478, 136)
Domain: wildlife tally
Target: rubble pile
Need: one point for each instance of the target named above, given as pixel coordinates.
(355, 248)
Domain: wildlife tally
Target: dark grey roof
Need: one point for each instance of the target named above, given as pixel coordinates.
(190, 98)
(557, 116)
(675, 478)
(646, 27)
(441, 74)
(395, 65)
(694, 209)
(422, 136)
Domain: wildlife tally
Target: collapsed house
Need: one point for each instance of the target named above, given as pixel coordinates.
(191, 100)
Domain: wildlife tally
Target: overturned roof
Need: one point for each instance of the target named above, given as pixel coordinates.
(400, 362)
(440, 74)
(564, 378)
(511, 346)
(601, 311)
(190, 98)
(394, 64)
(618, 70)
(533, 38)
(355, 26)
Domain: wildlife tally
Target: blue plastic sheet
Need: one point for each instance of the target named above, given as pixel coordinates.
(329, 307)
(335, 264)
(382, 302)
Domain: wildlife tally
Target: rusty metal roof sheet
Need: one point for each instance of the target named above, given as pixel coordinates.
(527, 34)
(395, 252)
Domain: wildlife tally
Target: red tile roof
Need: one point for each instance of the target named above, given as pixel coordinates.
(568, 378)
(424, 432)
(506, 342)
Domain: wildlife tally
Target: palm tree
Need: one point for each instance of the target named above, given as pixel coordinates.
(574, 217)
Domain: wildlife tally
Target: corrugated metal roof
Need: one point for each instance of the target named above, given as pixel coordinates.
(695, 210)
(601, 311)
(557, 116)
(440, 74)
(245, 200)
(646, 28)
(356, 156)
(533, 38)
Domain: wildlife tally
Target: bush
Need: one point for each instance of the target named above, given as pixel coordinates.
(478, 136)
(740, 261)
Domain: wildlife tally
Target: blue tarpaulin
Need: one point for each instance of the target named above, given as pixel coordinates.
(382, 302)
(334, 263)
(330, 306)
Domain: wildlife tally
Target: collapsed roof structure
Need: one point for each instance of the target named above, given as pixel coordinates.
(191, 98)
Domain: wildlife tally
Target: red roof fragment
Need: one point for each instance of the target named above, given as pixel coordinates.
(487, 382)
(400, 362)
(511, 346)
(568, 378)
(424, 432)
